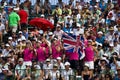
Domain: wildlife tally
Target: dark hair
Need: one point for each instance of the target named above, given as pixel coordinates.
(108, 76)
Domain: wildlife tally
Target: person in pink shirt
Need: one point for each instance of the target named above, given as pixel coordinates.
(28, 53)
(89, 54)
(44, 43)
(56, 49)
(41, 52)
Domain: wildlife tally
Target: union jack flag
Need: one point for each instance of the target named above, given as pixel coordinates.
(74, 43)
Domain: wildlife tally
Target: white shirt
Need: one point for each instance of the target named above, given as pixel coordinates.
(5, 52)
(20, 70)
(59, 34)
(61, 66)
(66, 74)
(53, 75)
(2, 27)
(47, 68)
(117, 49)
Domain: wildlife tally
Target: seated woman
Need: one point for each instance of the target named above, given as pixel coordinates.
(86, 73)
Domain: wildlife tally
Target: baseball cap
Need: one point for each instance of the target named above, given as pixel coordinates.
(20, 32)
(59, 58)
(47, 60)
(87, 65)
(99, 44)
(100, 32)
(40, 31)
(42, 15)
(50, 33)
(78, 25)
(67, 63)
(10, 38)
(58, 25)
(20, 59)
(5, 68)
(7, 45)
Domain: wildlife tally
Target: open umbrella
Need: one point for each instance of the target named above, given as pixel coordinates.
(41, 23)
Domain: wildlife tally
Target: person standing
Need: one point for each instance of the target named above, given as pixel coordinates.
(23, 17)
(14, 20)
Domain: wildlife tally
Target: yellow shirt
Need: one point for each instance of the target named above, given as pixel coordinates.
(58, 11)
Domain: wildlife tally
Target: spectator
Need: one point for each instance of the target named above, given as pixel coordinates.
(67, 72)
(20, 69)
(86, 73)
(23, 18)
(14, 21)
(2, 29)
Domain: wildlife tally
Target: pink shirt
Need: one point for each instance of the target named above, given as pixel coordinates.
(28, 54)
(55, 53)
(89, 54)
(40, 54)
(73, 56)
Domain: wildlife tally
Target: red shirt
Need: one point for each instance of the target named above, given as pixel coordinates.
(23, 16)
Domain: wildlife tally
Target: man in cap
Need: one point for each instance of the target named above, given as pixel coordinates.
(47, 67)
(20, 69)
(14, 20)
(109, 35)
(116, 46)
(67, 72)
(100, 38)
(50, 34)
(110, 50)
(77, 30)
(58, 32)
(60, 64)
(7, 74)
(21, 35)
(68, 28)
(6, 51)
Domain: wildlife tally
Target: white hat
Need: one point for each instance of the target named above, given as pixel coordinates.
(57, 25)
(111, 44)
(68, 16)
(29, 63)
(106, 55)
(86, 64)
(100, 32)
(20, 59)
(50, 33)
(19, 40)
(7, 45)
(23, 39)
(99, 44)
(42, 15)
(90, 40)
(95, 6)
(16, 9)
(20, 32)
(59, 58)
(47, 60)
(67, 63)
(78, 25)
(5, 68)
(41, 32)
(104, 58)
(10, 38)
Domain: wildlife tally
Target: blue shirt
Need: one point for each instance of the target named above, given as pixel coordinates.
(67, 30)
(100, 40)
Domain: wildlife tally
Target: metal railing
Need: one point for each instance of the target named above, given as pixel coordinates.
(32, 74)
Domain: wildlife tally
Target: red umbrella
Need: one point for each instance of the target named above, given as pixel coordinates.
(41, 23)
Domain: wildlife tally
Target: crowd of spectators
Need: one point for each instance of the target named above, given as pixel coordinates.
(35, 54)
